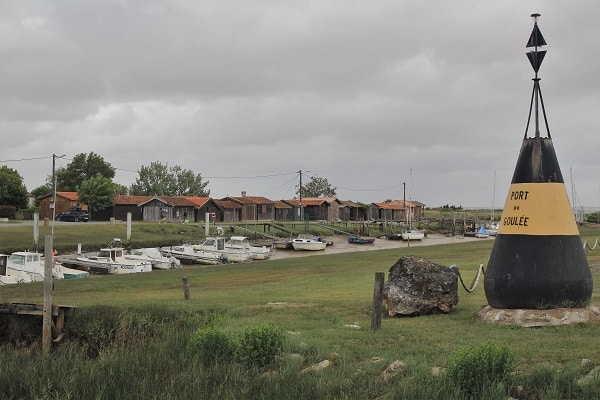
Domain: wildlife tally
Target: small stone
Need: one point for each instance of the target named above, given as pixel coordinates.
(392, 370)
(317, 367)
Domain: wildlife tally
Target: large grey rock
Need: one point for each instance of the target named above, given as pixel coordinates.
(417, 286)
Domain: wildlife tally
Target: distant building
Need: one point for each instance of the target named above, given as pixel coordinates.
(315, 208)
(254, 208)
(64, 201)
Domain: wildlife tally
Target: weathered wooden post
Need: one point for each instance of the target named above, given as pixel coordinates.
(47, 312)
(186, 288)
(377, 300)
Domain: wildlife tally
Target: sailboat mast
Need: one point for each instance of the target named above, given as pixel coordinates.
(493, 199)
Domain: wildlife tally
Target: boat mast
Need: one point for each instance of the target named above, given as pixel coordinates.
(493, 199)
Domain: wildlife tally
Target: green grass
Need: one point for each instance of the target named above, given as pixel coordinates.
(312, 298)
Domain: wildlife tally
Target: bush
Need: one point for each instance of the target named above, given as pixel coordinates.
(260, 344)
(7, 211)
(213, 345)
(475, 370)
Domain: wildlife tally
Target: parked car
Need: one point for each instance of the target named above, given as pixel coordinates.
(74, 214)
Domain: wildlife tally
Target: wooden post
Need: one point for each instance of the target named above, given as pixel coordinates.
(377, 300)
(186, 288)
(47, 312)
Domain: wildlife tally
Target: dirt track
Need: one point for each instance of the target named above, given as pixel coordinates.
(341, 245)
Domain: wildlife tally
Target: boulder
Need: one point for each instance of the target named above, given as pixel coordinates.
(417, 286)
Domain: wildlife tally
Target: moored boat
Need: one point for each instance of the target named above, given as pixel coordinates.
(111, 260)
(413, 234)
(217, 245)
(482, 233)
(186, 254)
(308, 242)
(154, 256)
(243, 243)
(25, 267)
(361, 239)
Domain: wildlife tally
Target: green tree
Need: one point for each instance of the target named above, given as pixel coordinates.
(41, 191)
(121, 190)
(12, 189)
(317, 187)
(97, 192)
(81, 168)
(158, 179)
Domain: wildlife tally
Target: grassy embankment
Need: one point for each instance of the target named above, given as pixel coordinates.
(312, 298)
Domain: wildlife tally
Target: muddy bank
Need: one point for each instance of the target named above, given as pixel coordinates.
(341, 245)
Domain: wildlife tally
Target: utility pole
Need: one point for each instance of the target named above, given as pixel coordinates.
(300, 192)
(54, 157)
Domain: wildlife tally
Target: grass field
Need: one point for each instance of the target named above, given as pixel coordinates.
(315, 300)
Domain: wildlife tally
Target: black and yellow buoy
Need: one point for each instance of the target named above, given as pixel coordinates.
(538, 259)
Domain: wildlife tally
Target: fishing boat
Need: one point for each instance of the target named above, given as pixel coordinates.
(360, 239)
(186, 254)
(25, 267)
(217, 245)
(412, 234)
(305, 241)
(243, 243)
(111, 260)
(155, 257)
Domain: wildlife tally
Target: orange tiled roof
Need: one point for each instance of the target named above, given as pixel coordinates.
(228, 204)
(130, 200)
(68, 195)
(250, 199)
(197, 200)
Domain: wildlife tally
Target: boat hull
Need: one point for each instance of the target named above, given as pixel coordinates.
(308, 246)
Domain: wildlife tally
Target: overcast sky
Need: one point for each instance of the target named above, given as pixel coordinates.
(248, 93)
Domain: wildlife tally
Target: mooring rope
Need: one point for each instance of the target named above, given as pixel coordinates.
(481, 270)
(586, 246)
(470, 289)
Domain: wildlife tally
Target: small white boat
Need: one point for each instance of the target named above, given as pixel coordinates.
(412, 234)
(308, 242)
(217, 245)
(111, 260)
(155, 257)
(492, 229)
(186, 254)
(242, 243)
(25, 267)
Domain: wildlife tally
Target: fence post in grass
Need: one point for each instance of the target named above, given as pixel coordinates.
(377, 300)
(186, 288)
(47, 307)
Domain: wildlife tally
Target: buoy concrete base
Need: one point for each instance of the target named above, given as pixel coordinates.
(529, 318)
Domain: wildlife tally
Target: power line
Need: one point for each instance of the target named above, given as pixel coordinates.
(248, 177)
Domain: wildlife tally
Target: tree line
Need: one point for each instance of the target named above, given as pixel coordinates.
(92, 178)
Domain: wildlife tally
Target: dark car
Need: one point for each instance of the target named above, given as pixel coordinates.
(74, 214)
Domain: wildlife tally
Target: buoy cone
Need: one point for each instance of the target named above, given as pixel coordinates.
(538, 259)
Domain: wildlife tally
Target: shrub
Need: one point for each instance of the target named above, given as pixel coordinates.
(214, 346)
(7, 211)
(260, 344)
(475, 369)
